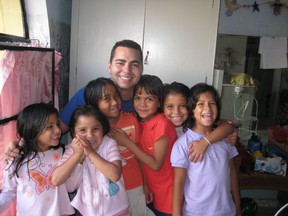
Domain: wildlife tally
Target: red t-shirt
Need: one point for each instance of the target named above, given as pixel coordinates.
(131, 171)
(160, 182)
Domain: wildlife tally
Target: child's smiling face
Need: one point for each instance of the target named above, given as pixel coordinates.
(90, 128)
(175, 108)
(146, 105)
(51, 134)
(206, 111)
(110, 104)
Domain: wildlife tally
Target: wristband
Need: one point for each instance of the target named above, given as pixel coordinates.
(207, 140)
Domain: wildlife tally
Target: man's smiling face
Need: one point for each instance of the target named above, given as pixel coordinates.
(126, 68)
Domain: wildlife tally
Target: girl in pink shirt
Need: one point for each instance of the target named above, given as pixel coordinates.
(28, 177)
(103, 94)
(101, 190)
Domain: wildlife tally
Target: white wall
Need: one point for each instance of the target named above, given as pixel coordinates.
(246, 22)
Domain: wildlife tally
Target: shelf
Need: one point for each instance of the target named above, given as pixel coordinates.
(257, 180)
(232, 85)
(249, 179)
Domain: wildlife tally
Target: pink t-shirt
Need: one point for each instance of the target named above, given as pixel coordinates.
(97, 195)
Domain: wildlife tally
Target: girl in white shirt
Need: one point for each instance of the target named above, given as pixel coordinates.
(28, 177)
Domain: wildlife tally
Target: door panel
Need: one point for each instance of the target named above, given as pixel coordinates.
(96, 26)
(180, 37)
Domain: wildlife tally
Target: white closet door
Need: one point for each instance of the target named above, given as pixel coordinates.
(96, 26)
(181, 39)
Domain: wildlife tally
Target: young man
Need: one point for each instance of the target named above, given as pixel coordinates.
(125, 68)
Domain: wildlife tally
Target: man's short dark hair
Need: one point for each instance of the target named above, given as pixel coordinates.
(129, 44)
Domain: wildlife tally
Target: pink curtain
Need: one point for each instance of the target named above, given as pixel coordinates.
(26, 78)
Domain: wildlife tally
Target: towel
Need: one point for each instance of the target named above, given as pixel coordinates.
(273, 52)
(273, 60)
(273, 45)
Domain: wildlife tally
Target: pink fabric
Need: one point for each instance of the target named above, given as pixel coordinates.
(26, 78)
(5, 68)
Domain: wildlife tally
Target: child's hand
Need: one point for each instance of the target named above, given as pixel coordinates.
(120, 136)
(232, 138)
(197, 150)
(77, 146)
(86, 145)
(13, 151)
(148, 194)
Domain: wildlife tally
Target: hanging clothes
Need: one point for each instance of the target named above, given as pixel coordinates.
(273, 52)
(25, 78)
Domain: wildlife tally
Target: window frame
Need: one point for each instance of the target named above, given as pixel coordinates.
(16, 38)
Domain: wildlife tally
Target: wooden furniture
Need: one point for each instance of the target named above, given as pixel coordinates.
(265, 181)
(257, 180)
(249, 179)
